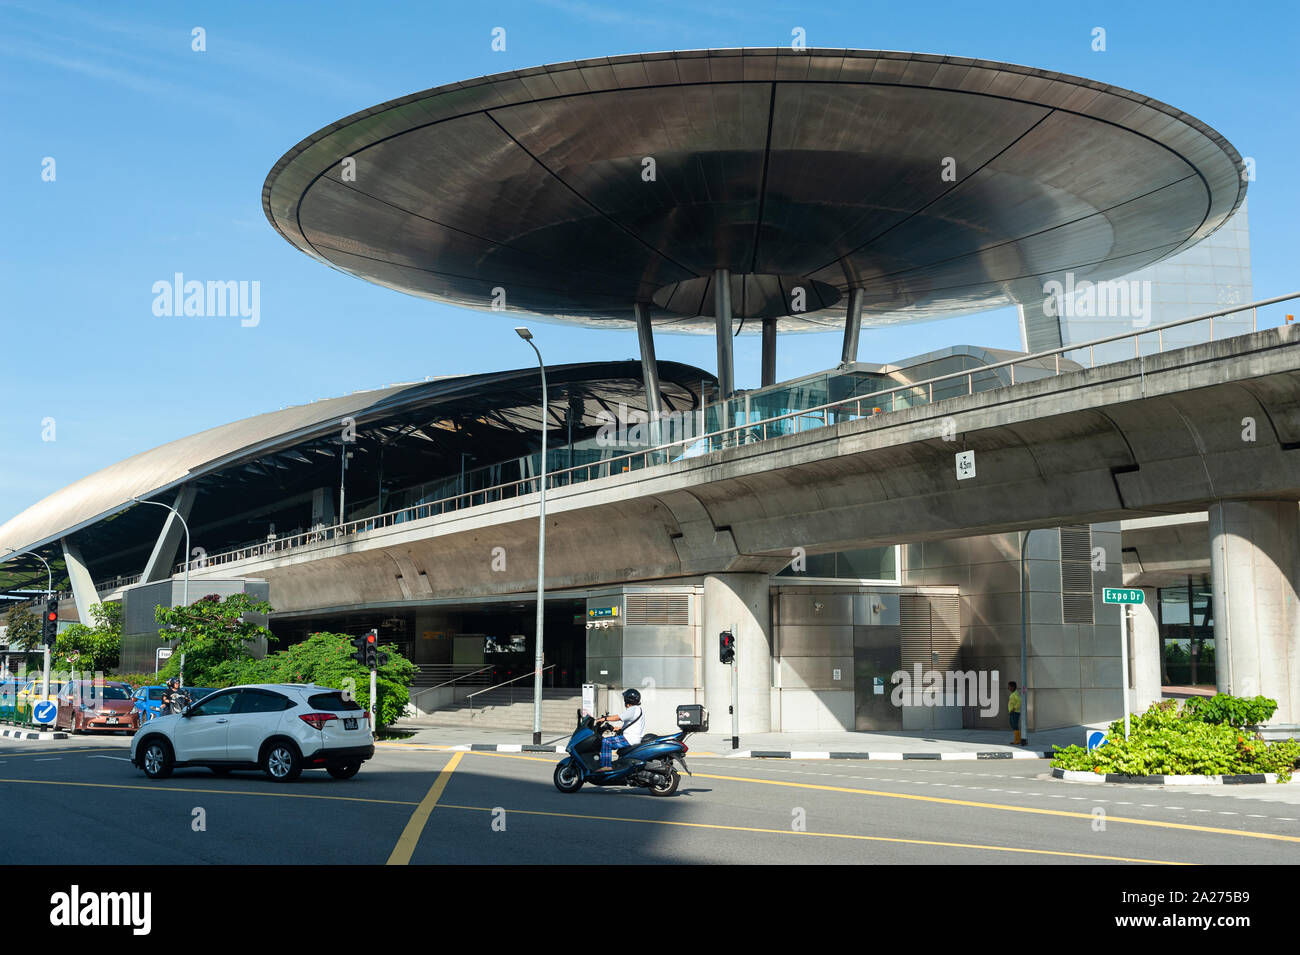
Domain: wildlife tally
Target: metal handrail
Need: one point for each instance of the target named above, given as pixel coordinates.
(523, 676)
(463, 676)
(755, 431)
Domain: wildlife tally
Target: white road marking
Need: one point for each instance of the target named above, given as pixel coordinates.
(122, 758)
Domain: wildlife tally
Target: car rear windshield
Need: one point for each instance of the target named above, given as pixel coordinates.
(331, 701)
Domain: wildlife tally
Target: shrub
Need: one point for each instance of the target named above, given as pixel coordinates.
(1169, 740)
(137, 680)
(1232, 710)
(326, 660)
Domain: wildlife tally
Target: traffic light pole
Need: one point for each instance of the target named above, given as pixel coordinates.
(735, 708)
(735, 696)
(374, 709)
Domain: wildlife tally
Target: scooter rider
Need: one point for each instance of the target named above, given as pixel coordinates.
(628, 726)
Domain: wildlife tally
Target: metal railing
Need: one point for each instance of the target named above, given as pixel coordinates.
(884, 401)
(510, 683)
(438, 670)
(457, 683)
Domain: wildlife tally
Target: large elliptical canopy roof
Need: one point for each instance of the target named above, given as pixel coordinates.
(817, 169)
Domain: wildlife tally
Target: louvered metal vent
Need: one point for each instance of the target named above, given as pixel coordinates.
(930, 628)
(945, 632)
(1076, 574)
(658, 610)
(914, 629)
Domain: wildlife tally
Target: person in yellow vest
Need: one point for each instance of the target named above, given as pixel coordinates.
(1013, 708)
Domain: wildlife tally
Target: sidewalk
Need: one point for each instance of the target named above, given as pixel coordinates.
(920, 744)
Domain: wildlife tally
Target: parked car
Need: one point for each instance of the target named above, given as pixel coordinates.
(280, 728)
(90, 706)
(31, 693)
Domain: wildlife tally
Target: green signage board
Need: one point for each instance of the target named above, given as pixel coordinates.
(1119, 595)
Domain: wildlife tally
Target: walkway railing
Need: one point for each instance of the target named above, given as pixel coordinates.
(510, 683)
(899, 397)
(457, 682)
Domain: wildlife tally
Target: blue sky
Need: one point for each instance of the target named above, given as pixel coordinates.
(161, 153)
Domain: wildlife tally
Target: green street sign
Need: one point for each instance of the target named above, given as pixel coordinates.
(1118, 595)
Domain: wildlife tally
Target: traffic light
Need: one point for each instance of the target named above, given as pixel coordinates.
(50, 622)
(359, 648)
(727, 647)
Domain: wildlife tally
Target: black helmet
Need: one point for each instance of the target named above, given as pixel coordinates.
(631, 697)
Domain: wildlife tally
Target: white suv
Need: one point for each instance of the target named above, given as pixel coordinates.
(281, 728)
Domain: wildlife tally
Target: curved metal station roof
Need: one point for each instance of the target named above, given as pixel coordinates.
(816, 169)
(500, 407)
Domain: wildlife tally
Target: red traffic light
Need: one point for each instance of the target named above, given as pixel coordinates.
(52, 616)
(370, 638)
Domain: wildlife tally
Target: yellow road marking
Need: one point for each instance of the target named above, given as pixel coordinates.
(219, 792)
(1008, 808)
(978, 805)
(822, 835)
(415, 825)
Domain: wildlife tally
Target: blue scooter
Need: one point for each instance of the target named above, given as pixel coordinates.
(648, 764)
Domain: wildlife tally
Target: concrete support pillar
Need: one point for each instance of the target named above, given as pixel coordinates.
(160, 563)
(739, 603)
(723, 332)
(649, 368)
(83, 588)
(1145, 651)
(852, 327)
(1254, 559)
(769, 352)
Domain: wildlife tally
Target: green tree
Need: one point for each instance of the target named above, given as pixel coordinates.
(213, 633)
(23, 628)
(97, 647)
(326, 660)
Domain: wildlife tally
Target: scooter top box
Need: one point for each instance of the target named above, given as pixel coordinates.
(693, 718)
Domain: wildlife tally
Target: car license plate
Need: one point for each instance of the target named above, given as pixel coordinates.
(349, 722)
(112, 721)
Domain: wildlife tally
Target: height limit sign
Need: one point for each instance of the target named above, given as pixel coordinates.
(965, 465)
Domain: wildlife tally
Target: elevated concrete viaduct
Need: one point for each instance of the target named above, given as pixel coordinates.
(1213, 427)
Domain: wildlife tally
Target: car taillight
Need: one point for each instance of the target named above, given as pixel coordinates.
(317, 720)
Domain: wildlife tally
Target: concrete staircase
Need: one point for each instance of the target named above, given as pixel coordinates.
(507, 708)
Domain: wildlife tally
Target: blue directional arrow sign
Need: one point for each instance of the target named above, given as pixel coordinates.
(1095, 738)
(45, 711)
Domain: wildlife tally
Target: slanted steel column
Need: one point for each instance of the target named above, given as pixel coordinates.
(852, 326)
(159, 565)
(722, 331)
(769, 352)
(649, 368)
(83, 588)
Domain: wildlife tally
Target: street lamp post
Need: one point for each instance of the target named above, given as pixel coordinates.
(186, 593)
(1024, 638)
(49, 592)
(185, 525)
(527, 336)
